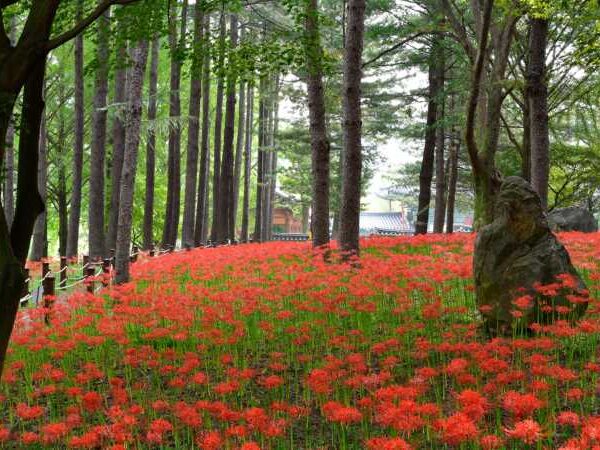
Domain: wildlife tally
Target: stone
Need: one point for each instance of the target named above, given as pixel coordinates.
(573, 218)
(522, 272)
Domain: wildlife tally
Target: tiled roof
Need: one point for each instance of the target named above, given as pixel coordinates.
(388, 221)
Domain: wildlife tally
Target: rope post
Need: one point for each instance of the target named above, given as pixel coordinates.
(89, 273)
(86, 261)
(112, 256)
(134, 254)
(45, 269)
(63, 271)
(152, 252)
(25, 291)
(49, 284)
(106, 270)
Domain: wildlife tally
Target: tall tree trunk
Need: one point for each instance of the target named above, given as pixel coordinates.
(351, 184)
(537, 93)
(452, 181)
(14, 245)
(118, 147)
(9, 177)
(426, 175)
(151, 147)
(440, 170)
(239, 150)
(75, 209)
(174, 160)
(526, 150)
(320, 148)
(201, 228)
(273, 129)
(247, 163)
(267, 162)
(97, 248)
(39, 245)
(132, 140)
(260, 170)
(61, 168)
(225, 204)
(191, 168)
(218, 130)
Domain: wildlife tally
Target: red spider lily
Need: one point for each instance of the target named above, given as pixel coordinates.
(527, 431)
(521, 405)
(383, 443)
(456, 429)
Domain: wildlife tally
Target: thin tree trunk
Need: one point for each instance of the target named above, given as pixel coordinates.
(97, 248)
(260, 176)
(118, 145)
(320, 148)
(151, 147)
(526, 155)
(273, 153)
(537, 90)
(201, 228)
(132, 140)
(351, 185)
(267, 162)
(426, 175)
(191, 168)
(75, 209)
(218, 131)
(40, 233)
(440, 170)
(9, 179)
(176, 44)
(452, 181)
(227, 165)
(247, 163)
(239, 150)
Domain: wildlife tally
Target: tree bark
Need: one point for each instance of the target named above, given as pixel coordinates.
(39, 245)
(176, 44)
(273, 129)
(537, 90)
(61, 195)
(225, 204)
(151, 147)
(201, 227)
(118, 147)
(440, 170)
(452, 181)
(427, 163)
(260, 170)
(239, 150)
(351, 187)
(218, 133)
(247, 163)
(526, 150)
(97, 248)
(132, 140)
(9, 177)
(78, 126)
(320, 148)
(191, 169)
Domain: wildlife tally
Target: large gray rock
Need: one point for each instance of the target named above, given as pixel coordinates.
(572, 218)
(516, 253)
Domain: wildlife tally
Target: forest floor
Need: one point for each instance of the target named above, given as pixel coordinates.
(268, 347)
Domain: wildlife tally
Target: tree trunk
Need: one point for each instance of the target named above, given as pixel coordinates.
(61, 201)
(440, 170)
(216, 217)
(247, 163)
(260, 170)
(191, 168)
(239, 150)
(225, 204)
(267, 162)
(97, 248)
(176, 44)
(14, 246)
(151, 148)
(452, 181)
(39, 245)
(426, 175)
(132, 140)
(351, 187)
(9, 179)
(273, 129)
(526, 150)
(320, 148)
(75, 217)
(118, 146)
(201, 228)
(537, 90)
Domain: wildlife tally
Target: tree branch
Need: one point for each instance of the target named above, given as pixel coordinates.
(393, 48)
(86, 22)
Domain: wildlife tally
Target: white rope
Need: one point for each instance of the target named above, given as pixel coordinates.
(26, 298)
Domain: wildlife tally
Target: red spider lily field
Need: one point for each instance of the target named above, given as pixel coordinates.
(268, 347)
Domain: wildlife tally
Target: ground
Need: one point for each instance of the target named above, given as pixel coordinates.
(267, 347)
